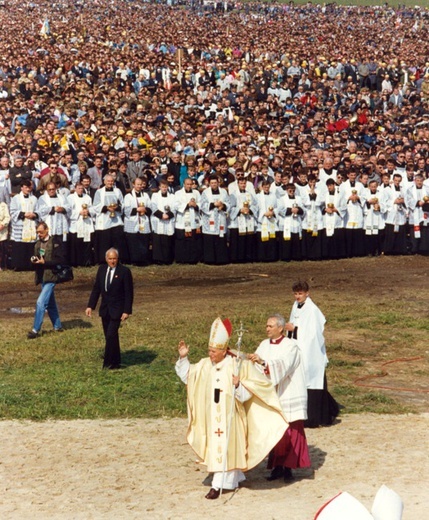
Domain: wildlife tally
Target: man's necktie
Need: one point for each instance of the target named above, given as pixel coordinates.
(109, 279)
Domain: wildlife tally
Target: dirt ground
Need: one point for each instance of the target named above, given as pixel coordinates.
(145, 469)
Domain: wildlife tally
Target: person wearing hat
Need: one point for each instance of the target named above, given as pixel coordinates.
(234, 413)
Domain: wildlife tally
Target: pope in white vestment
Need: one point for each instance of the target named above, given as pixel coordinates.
(234, 413)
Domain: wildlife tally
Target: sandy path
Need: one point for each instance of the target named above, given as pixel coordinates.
(145, 469)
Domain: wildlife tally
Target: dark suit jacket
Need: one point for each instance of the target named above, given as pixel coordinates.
(119, 298)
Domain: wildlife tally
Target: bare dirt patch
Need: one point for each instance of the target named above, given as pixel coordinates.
(144, 469)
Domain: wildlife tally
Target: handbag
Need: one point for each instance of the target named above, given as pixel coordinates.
(64, 273)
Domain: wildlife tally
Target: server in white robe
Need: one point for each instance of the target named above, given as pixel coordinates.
(109, 226)
(233, 411)
(354, 192)
(4, 233)
(279, 358)
(215, 205)
(306, 325)
(417, 201)
(242, 224)
(163, 221)
(395, 240)
(267, 225)
(188, 237)
(54, 209)
(334, 210)
(374, 223)
(312, 198)
(138, 231)
(81, 229)
(291, 214)
(24, 220)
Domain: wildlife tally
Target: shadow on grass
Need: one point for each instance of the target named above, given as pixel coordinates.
(77, 324)
(138, 357)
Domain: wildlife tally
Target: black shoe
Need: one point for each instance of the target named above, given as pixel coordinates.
(276, 473)
(32, 335)
(59, 330)
(287, 475)
(213, 494)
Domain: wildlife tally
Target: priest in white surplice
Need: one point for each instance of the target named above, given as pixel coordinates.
(256, 423)
(54, 209)
(215, 205)
(109, 226)
(306, 325)
(81, 227)
(279, 358)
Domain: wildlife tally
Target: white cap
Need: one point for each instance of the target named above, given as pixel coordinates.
(220, 334)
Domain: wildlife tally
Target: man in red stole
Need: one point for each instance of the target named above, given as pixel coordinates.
(280, 359)
(234, 413)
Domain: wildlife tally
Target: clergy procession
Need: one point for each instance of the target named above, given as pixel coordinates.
(239, 408)
(221, 220)
(244, 407)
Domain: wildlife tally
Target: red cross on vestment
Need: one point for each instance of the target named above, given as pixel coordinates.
(219, 432)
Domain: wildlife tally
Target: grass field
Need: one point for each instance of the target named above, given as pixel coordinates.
(376, 311)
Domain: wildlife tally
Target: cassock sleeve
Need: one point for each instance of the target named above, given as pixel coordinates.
(182, 369)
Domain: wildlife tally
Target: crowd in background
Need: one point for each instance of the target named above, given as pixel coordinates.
(213, 132)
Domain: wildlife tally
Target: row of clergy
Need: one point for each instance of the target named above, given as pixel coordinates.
(289, 209)
(286, 215)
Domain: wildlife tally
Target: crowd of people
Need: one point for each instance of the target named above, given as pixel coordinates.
(214, 132)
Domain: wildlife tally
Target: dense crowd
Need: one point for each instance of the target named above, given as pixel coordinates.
(215, 132)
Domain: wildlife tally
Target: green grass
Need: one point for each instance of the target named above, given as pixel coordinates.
(59, 376)
(360, 402)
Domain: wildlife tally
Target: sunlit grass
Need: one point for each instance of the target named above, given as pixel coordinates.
(60, 376)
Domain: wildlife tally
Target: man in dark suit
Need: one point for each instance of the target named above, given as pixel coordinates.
(114, 282)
